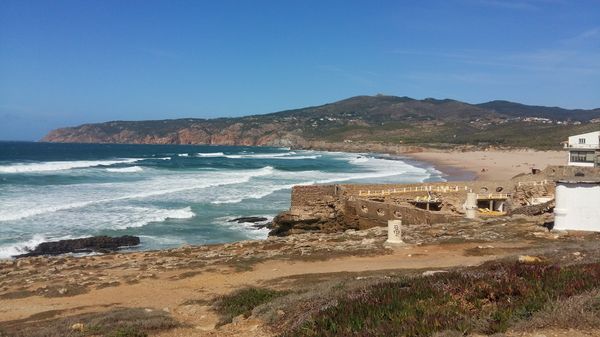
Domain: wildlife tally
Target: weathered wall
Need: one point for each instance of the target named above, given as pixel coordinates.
(331, 208)
(311, 195)
(313, 208)
(374, 213)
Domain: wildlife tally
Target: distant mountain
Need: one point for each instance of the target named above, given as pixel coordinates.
(520, 110)
(361, 119)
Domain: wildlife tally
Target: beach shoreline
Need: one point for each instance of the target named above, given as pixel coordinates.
(491, 164)
(459, 163)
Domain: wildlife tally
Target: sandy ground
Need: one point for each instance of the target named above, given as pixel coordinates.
(493, 164)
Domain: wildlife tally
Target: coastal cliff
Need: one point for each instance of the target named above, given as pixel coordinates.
(354, 122)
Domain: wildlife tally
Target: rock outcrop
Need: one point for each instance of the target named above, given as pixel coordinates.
(313, 209)
(84, 245)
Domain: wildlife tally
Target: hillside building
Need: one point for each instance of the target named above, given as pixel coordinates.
(584, 149)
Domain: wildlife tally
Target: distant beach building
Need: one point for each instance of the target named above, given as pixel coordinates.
(584, 149)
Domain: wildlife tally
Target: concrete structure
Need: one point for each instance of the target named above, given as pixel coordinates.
(395, 232)
(577, 205)
(334, 208)
(471, 205)
(584, 149)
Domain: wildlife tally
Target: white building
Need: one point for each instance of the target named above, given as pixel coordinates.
(584, 149)
(577, 204)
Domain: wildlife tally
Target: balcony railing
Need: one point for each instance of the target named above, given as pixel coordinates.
(582, 146)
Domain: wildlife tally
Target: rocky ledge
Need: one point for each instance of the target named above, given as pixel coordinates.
(100, 244)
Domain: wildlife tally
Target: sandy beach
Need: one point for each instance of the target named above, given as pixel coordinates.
(491, 164)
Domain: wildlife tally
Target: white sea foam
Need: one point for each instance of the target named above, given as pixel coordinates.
(248, 228)
(7, 251)
(33, 205)
(122, 217)
(210, 154)
(130, 169)
(162, 240)
(59, 165)
(359, 160)
(283, 156)
(155, 196)
(376, 168)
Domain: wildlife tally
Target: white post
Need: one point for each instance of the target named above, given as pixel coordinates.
(471, 206)
(394, 232)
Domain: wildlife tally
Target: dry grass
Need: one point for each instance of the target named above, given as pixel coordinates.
(576, 312)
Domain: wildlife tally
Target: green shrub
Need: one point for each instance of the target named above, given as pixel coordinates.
(486, 300)
(242, 302)
(128, 332)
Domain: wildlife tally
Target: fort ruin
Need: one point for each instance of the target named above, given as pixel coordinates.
(333, 208)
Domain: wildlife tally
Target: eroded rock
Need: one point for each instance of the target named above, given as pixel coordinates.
(84, 245)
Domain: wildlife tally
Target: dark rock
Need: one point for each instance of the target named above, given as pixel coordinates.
(261, 226)
(285, 224)
(251, 219)
(84, 245)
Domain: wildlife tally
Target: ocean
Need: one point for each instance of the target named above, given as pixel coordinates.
(168, 195)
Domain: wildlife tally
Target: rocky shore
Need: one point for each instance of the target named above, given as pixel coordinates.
(97, 244)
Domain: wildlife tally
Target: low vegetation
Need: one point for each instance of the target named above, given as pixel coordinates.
(490, 299)
(243, 301)
(126, 322)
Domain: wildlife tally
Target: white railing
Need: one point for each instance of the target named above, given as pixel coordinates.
(494, 196)
(582, 146)
(533, 183)
(410, 189)
(427, 199)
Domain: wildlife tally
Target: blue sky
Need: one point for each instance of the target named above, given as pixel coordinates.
(65, 63)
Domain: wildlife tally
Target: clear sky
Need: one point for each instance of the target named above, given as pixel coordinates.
(64, 63)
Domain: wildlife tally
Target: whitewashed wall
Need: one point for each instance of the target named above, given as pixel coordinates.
(577, 207)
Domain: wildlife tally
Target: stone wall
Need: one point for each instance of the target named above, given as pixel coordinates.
(311, 195)
(331, 208)
(369, 213)
(315, 208)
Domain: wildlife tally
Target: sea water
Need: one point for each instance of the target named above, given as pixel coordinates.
(168, 195)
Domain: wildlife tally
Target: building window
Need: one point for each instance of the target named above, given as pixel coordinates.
(581, 140)
(582, 156)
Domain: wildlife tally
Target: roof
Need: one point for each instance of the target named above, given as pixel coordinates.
(593, 133)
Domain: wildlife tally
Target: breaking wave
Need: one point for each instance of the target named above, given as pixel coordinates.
(60, 165)
(158, 189)
(130, 169)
